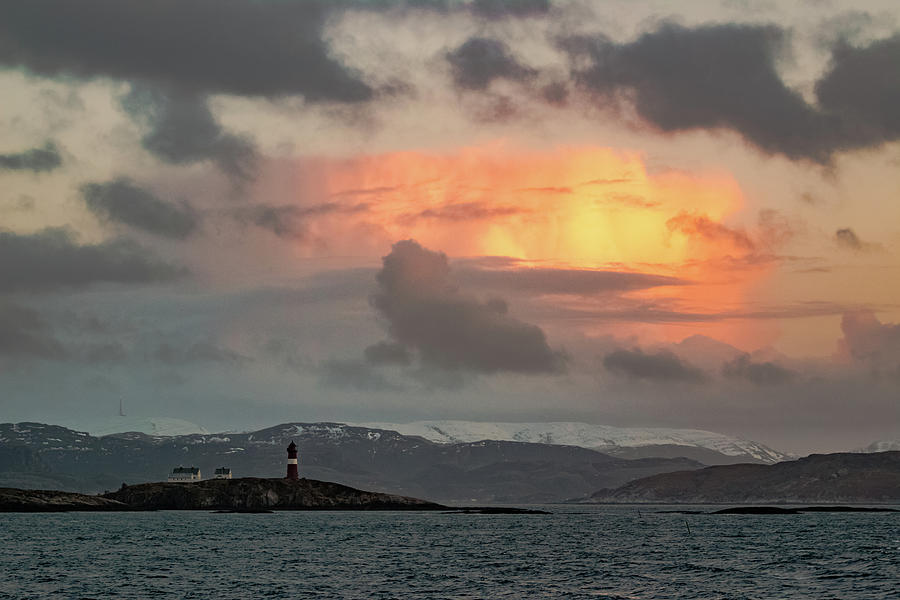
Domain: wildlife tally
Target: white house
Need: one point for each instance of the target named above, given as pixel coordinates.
(185, 474)
(223, 473)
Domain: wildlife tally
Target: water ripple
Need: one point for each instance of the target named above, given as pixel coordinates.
(603, 552)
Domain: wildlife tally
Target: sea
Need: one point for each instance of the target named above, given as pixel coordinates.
(620, 551)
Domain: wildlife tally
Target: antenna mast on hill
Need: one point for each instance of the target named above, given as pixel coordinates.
(121, 407)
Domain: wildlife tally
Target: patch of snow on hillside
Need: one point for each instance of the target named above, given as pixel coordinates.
(584, 435)
(881, 446)
(156, 426)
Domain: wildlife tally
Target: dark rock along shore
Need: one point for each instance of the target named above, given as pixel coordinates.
(15, 500)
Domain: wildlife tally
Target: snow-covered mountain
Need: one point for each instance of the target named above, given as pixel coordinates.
(881, 446)
(156, 426)
(585, 435)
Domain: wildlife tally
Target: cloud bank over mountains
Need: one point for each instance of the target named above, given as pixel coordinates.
(239, 212)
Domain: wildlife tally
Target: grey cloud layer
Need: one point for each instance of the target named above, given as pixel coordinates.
(868, 339)
(563, 281)
(289, 221)
(206, 46)
(122, 201)
(725, 76)
(23, 333)
(198, 352)
(353, 374)
(762, 373)
(495, 9)
(387, 353)
(450, 330)
(679, 78)
(38, 160)
(658, 366)
(52, 259)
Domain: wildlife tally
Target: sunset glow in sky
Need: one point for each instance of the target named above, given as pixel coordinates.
(622, 213)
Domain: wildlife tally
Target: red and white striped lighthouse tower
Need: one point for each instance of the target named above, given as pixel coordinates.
(292, 461)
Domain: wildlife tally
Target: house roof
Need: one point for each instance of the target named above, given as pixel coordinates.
(183, 470)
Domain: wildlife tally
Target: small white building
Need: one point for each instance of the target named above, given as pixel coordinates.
(223, 473)
(185, 474)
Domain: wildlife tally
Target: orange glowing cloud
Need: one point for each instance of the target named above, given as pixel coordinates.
(581, 207)
(588, 207)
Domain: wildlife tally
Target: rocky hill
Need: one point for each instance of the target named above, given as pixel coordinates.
(818, 478)
(53, 457)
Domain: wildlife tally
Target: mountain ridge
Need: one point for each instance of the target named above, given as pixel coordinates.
(603, 438)
(844, 477)
(360, 457)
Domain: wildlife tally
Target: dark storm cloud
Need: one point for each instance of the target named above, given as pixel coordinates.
(863, 86)
(761, 373)
(205, 46)
(451, 330)
(289, 220)
(388, 353)
(708, 77)
(725, 76)
(479, 61)
(182, 130)
(658, 366)
(121, 201)
(52, 259)
(36, 159)
(240, 47)
(563, 281)
(24, 334)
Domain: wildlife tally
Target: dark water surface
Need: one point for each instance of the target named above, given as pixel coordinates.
(578, 552)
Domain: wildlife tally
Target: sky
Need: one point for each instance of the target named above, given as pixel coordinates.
(630, 213)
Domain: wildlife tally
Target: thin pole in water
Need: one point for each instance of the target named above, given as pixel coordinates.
(688, 528)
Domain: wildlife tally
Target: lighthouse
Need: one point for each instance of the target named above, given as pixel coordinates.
(292, 461)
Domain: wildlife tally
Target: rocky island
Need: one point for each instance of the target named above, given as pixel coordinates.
(248, 494)
(255, 493)
(240, 495)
